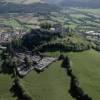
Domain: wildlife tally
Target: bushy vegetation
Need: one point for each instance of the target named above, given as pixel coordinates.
(38, 37)
(18, 91)
(46, 40)
(75, 90)
(67, 43)
(97, 46)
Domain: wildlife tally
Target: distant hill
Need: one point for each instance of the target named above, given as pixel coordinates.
(82, 3)
(18, 7)
(20, 1)
(30, 6)
(76, 3)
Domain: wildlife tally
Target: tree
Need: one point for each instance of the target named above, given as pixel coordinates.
(45, 25)
(28, 61)
(66, 63)
(18, 91)
(61, 57)
(17, 42)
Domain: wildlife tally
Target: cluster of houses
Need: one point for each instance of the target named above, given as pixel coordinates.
(37, 62)
(93, 36)
(7, 36)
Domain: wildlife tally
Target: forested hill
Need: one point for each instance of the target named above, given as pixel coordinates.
(26, 8)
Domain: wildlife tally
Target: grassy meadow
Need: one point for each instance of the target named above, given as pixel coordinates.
(53, 84)
(5, 84)
(86, 66)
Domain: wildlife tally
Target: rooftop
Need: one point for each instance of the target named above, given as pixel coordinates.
(40, 64)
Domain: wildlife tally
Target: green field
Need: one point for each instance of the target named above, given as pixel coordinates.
(77, 19)
(5, 84)
(53, 84)
(93, 11)
(86, 66)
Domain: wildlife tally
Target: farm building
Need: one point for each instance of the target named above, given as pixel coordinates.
(35, 62)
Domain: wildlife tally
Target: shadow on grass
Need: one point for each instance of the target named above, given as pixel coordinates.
(18, 91)
(38, 71)
(6, 69)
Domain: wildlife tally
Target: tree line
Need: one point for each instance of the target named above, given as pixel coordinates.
(75, 90)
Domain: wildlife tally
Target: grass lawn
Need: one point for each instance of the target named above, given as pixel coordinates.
(5, 84)
(12, 22)
(86, 66)
(52, 84)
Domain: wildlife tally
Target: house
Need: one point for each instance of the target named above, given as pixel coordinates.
(52, 29)
(40, 64)
(44, 63)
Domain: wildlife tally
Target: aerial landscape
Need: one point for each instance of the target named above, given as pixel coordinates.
(49, 50)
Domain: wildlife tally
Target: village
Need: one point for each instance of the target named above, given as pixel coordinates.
(93, 36)
(7, 34)
(26, 61)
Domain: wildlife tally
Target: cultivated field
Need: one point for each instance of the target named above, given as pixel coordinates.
(78, 19)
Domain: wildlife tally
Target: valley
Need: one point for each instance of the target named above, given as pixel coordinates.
(36, 37)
